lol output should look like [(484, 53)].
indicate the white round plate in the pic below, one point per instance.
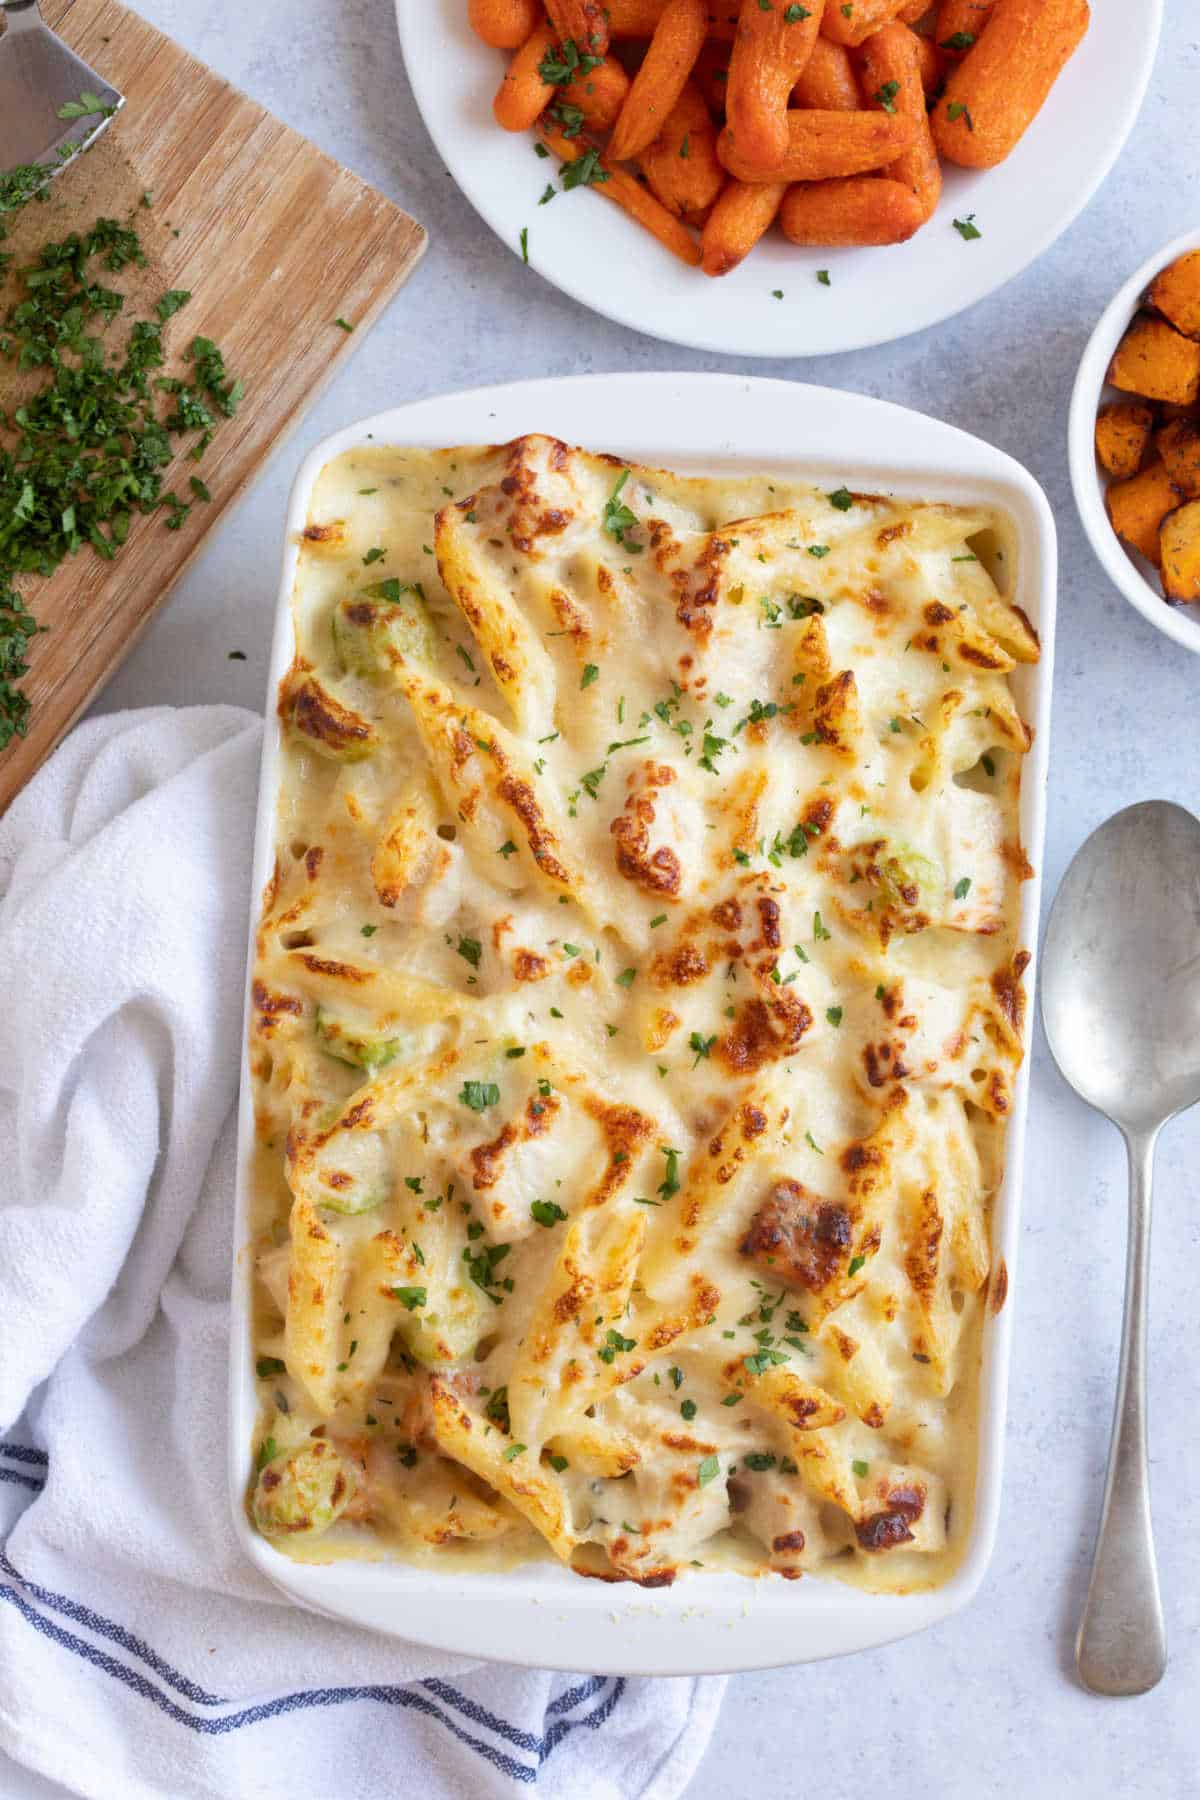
[(1137, 579), (592, 251)]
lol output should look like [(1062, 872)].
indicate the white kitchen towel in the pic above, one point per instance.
[(140, 1656)]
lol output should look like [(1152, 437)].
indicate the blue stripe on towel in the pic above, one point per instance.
[(24, 1453), (25, 1481), (411, 1697), (107, 1628)]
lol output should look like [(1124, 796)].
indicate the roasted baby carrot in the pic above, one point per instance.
[(741, 215), (853, 23), (960, 24), (637, 18), (999, 87), (677, 42), (624, 191), (890, 67), (505, 24), (933, 64), (583, 23), (827, 82), (860, 209), (681, 164), (599, 95), (823, 144), (711, 74), (772, 45), (524, 92)]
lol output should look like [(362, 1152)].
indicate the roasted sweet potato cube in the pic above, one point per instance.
[(1122, 433), (1176, 293), (1137, 508), (1178, 443), (1180, 540), (1156, 361)]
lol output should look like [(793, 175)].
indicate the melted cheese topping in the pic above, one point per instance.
[(637, 1005)]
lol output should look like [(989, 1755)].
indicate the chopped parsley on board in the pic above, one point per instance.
[(99, 421)]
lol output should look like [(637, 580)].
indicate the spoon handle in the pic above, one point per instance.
[(1122, 1643)]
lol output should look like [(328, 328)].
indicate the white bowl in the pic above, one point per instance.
[(539, 1614), (1137, 579)]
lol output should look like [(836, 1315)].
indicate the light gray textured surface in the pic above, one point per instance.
[(986, 1705)]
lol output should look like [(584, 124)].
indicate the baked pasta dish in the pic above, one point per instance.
[(636, 1011)]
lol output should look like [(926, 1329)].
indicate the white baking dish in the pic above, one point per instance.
[(540, 1614)]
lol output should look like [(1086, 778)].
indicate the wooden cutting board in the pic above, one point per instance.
[(275, 242)]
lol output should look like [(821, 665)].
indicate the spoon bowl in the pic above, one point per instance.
[(1121, 1010), (1121, 967)]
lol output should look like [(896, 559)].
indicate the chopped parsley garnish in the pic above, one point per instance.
[(507, 849), (819, 931), (343, 324), (792, 15), (856, 1263), (676, 1376), (860, 1468), (558, 1463), (818, 550), (565, 63), (886, 95), (414, 1182), (481, 1266), (707, 1471), (268, 1450), (956, 110), (713, 746), (618, 519), (962, 888), (524, 243), (614, 1345), (479, 1094), (759, 1461), (701, 1045), (626, 978), (470, 949), (407, 1455), (375, 554), (513, 1450), (842, 498), (958, 40), (687, 1409), (546, 1212), (548, 193), (659, 919), (590, 673), (989, 767), (967, 228), (823, 277), (777, 293), (834, 1014), (410, 1297), (812, 1143), (585, 171), (267, 1366), (670, 1183), (86, 449), (368, 930)]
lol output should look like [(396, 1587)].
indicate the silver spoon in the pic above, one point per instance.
[(1121, 1008)]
